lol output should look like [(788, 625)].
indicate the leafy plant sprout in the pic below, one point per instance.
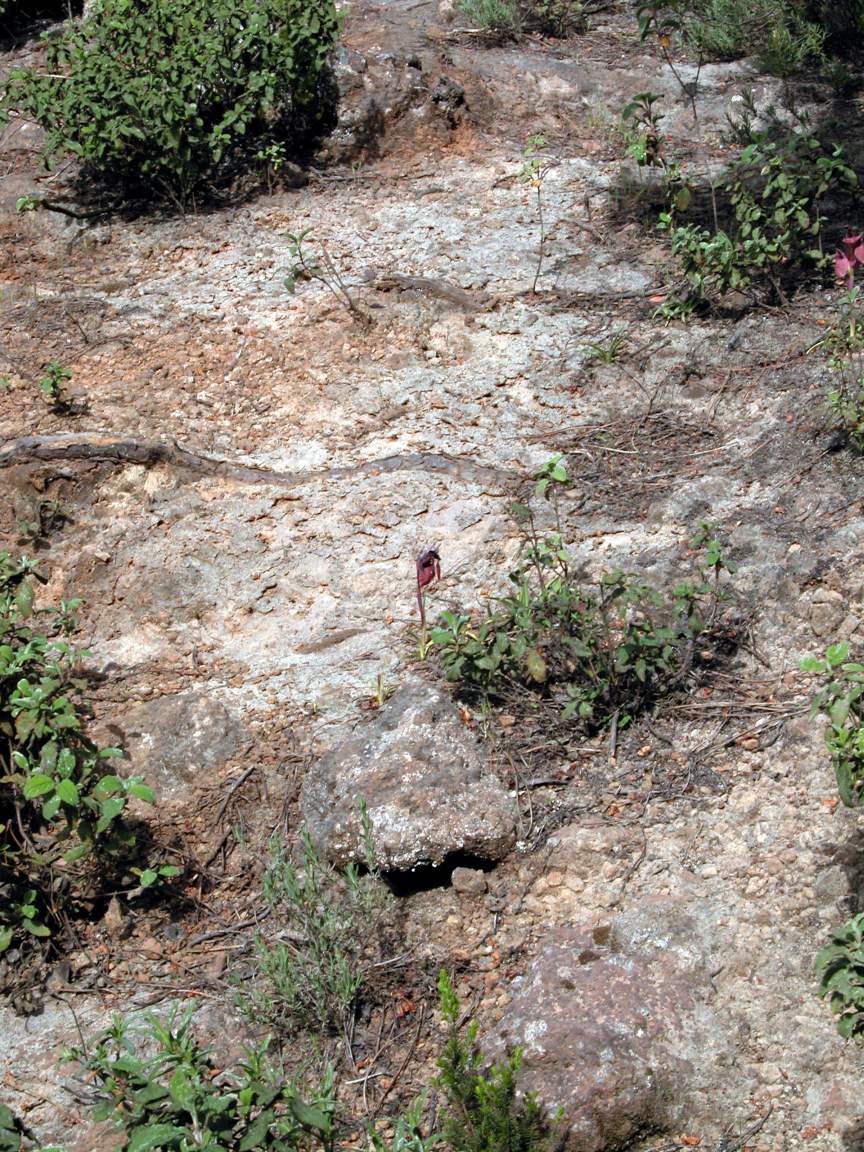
[(841, 700), (533, 172), (53, 385), (609, 353), (324, 270)]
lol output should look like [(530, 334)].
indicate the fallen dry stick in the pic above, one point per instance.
[(29, 449)]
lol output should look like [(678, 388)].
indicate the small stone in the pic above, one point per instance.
[(469, 881), (827, 611), (150, 947), (216, 966), (115, 920), (832, 884)]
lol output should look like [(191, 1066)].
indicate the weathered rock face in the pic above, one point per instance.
[(174, 740), (422, 777), (606, 1030)]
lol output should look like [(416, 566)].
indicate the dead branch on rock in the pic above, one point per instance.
[(461, 297), (86, 446)]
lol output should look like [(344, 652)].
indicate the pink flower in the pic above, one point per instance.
[(850, 258), (843, 268)]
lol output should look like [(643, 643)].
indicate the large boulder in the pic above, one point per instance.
[(617, 1033), (425, 784)]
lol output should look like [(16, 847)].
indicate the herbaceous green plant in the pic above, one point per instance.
[(53, 385), (840, 701), (840, 969), (497, 20), (641, 119), (165, 99), (776, 199), (532, 173), (844, 345), (174, 1097), (784, 35), (601, 653), (311, 970), (306, 266), (61, 804), (483, 1109)]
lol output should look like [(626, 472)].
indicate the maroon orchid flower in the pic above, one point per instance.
[(428, 571), (847, 259)]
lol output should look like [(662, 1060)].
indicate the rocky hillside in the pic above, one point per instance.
[(247, 476)]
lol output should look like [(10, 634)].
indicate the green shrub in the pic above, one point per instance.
[(166, 1092), (843, 20), (774, 31), (310, 973), (179, 1098), (483, 1112), (60, 804), (498, 20), (559, 18), (790, 46), (599, 653), (167, 99), (840, 969), (775, 198), (840, 699)]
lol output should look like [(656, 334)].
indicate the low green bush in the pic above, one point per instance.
[(176, 1097), (840, 970), (164, 1090), (843, 20), (781, 38), (785, 36), (483, 1109), (309, 972), (600, 653), (61, 804), (168, 99), (502, 20), (775, 198), (498, 20)]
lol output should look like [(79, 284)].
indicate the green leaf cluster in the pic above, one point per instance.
[(177, 1099), (166, 99), (60, 803), (840, 699), (775, 197), (840, 969)]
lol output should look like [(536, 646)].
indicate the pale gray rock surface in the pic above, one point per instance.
[(425, 784)]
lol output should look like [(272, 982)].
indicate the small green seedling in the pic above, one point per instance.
[(533, 172), (53, 385), (322, 269)]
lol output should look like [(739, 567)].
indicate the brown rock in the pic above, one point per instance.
[(425, 783), (469, 881), (610, 1031)]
